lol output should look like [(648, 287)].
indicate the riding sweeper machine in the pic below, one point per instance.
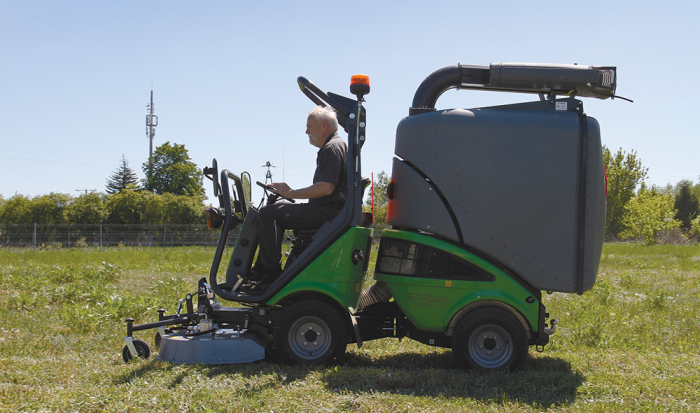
[(488, 208)]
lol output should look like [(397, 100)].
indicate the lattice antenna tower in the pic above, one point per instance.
[(151, 123)]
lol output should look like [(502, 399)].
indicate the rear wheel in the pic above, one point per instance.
[(310, 332), (489, 339)]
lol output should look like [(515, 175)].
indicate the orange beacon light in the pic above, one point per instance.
[(359, 85)]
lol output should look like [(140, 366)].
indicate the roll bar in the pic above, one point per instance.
[(342, 105), (550, 79), (230, 220)]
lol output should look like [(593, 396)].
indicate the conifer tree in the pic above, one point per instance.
[(122, 178)]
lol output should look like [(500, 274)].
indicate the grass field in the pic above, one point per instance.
[(630, 344)]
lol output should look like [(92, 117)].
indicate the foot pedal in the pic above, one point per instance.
[(238, 283)]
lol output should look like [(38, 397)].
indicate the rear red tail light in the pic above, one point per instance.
[(605, 172)]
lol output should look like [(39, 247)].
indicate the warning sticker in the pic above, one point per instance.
[(561, 106)]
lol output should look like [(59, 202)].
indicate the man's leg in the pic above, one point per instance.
[(270, 235), (274, 219)]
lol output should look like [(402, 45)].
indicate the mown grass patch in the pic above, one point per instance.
[(630, 344)]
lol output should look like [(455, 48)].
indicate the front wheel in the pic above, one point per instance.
[(489, 339), (142, 350), (310, 332)]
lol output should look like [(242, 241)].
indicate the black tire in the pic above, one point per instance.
[(310, 333), (142, 349), (489, 339), (157, 339)]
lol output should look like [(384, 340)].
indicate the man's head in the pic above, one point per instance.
[(320, 124)]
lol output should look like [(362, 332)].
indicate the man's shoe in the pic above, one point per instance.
[(259, 283), (258, 288), (256, 274)]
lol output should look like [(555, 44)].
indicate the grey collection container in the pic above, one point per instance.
[(521, 184)]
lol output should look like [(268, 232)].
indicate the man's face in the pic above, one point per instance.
[(317, 131)]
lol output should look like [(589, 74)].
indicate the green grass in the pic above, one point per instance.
[(630, 344)]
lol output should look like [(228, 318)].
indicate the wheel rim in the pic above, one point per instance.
[(490, 346), (140, 350), (309, 338)]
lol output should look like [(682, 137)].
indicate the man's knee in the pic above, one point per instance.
[(265, 212), (271, 212)]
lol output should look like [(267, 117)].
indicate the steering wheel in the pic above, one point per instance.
[(271, 189)]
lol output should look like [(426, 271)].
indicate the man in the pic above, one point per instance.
[(326, 195)]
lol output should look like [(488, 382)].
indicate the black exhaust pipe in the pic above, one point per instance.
[(538, 78), (442, 80)]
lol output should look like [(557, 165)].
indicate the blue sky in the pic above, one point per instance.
[(76, 76)]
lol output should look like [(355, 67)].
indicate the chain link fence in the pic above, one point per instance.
[(114, 235), (109, 235)]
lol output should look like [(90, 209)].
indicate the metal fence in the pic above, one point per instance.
[(109, 235), (113, 235)]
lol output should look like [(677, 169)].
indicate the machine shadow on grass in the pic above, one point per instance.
[(145, 368), (250, 371), (543, 380)]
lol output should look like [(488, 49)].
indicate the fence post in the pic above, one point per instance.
[(34, 238), (164, 239), (100, 237)]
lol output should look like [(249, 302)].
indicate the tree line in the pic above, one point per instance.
[(171, 193), (125, 207), (637, 211)]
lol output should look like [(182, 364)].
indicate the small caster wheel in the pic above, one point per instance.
[(141, 348), (157, 339)]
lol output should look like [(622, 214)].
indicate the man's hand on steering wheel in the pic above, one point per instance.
[(282, 189), (275, 190)]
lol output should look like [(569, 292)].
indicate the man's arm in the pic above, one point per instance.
[(317, 190)]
